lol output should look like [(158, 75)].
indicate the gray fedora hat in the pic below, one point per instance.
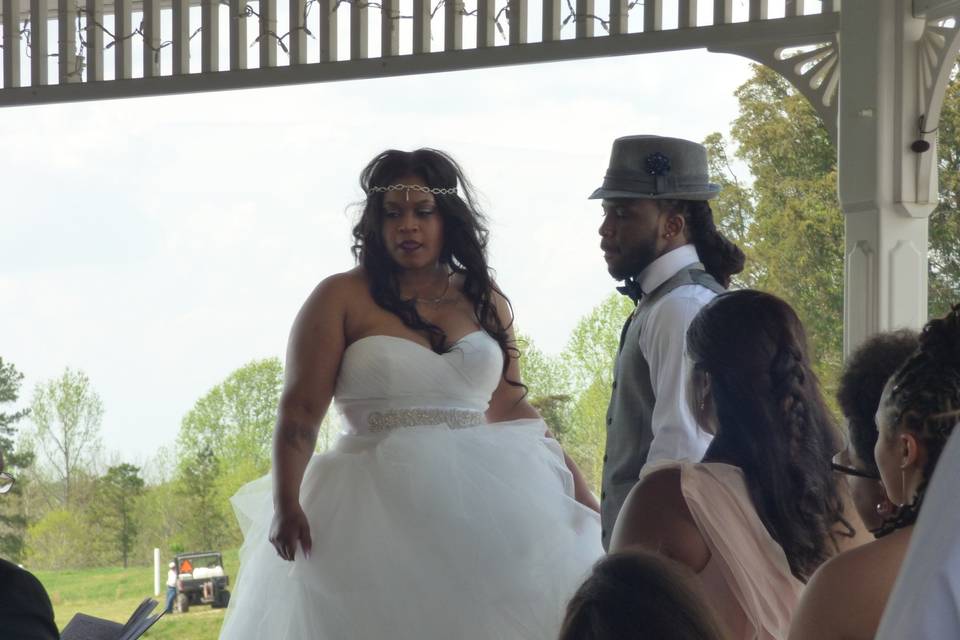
[(658, 168)]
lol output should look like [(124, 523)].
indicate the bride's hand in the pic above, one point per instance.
[(289, 527)]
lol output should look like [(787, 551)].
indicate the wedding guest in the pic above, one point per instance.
[(918, 410), (763, 509), (865, 373), (25, 609), (925, 603), (639, 596)]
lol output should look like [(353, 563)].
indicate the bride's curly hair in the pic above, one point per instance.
[(773, 422), (464, 251)]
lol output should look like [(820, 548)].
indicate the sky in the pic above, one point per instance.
[(158, 244)]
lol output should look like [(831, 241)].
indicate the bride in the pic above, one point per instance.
[(445, 511)]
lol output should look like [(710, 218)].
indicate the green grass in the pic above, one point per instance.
[(114, 592)]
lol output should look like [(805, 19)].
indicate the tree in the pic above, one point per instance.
[(590, 355), (114, 510), (60, 540), (548, 384), (224, 442), (789, 220), (66, 413), (13, 522), (944, 252), (205, 514)]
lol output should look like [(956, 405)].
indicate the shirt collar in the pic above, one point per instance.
[(667, 266)]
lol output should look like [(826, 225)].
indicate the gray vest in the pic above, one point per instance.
[(629, 433)]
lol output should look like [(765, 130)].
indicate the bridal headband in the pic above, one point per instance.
[(407, 188)]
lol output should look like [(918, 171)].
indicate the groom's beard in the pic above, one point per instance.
[(631, 261)]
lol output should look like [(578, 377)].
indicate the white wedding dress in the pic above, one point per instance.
[(427, 523)]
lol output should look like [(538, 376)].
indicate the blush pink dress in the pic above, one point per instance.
[(747, 581)]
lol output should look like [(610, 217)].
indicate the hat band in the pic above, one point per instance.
[(649, 184)]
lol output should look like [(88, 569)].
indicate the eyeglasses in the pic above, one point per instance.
[(6, 482), (840, 463)]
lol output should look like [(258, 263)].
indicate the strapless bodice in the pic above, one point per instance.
[(387, 382)]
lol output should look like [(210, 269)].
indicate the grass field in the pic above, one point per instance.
[(113, 593)]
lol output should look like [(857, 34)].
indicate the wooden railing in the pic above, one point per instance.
[(114, 48)]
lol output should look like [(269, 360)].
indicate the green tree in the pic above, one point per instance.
[(13, 522), (205, 509), (225, 441), (114, 510), (61, 540), (67, 413), (548, 385), (789, 220), (944, 252), (591, 353)]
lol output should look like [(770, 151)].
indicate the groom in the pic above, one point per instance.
[(658, 235)]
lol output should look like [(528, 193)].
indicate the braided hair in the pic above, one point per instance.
[(773, 422), (721, 258), (464, 244), (924, 399)]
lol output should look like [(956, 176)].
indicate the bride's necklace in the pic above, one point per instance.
[(439, 298)]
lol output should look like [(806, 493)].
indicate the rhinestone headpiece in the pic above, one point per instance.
[(437, 191)]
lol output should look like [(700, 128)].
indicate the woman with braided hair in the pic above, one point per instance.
[(763, 509), (918, 411)]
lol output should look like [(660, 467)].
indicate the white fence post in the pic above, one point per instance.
[(156, 571)]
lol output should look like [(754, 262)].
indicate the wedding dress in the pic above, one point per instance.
[(427, 523)]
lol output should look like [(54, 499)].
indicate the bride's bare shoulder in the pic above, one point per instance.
[(334, 295)]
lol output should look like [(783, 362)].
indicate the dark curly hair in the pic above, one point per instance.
[(864, 375), (924, 399), (721, 258), (464, 244), (773, 422), (638, 596)]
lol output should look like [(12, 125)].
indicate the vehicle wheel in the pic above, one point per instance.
[(222, 599), (182, 604)]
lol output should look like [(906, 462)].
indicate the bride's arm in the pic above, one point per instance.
[(509, 402), (314, 351)]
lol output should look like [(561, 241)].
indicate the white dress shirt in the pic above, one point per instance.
[(663, 344), (925, 602)]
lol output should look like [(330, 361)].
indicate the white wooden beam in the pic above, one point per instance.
[(210, 34), (11, 43), (328, 30), (122, 45), (181, 36), (390, 28), (238, 34), (151, 37), (39, 42), (359, 30), (94, 38)]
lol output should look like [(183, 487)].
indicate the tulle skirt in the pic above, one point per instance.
[(429, 533)]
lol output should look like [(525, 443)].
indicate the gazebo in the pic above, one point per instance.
[(875, 70)]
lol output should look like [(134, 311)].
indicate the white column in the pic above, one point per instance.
[(886, 218)]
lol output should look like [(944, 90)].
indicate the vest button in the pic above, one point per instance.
[(603, 495), (604, 457), (609, 421), (614, 384)]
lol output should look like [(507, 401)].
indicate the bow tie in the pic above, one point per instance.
[(632, 289)]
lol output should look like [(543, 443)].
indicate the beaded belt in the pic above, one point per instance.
[(454, 418)]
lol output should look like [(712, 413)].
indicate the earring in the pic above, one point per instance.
[(903, 487), (885, 509)]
